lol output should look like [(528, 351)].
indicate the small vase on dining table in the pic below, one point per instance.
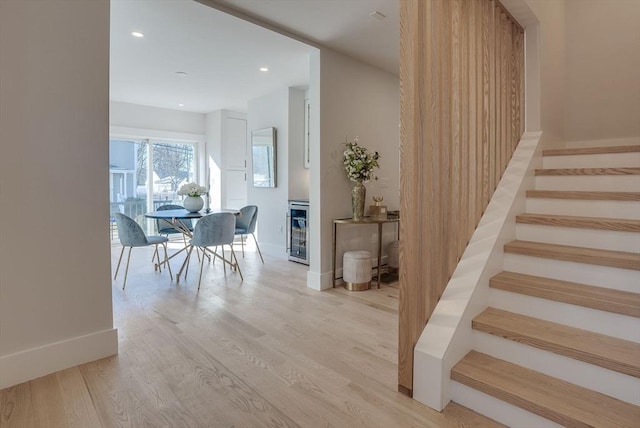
[(358, 194), (193, 204)]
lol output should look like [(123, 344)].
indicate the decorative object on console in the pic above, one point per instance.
[(378, 211), (358, 195), (358, 164), (193, 201)]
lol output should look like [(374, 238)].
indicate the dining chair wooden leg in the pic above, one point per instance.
[(201, 268), (119, 260), (126, 271), (242, 243), (258, 247), (166, 260)]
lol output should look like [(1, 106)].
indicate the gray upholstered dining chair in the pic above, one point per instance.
[(212, 231), (131, 235), (246, 224), (166, 228)]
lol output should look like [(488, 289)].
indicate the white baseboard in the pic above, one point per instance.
[(319, 281), (43, 360)]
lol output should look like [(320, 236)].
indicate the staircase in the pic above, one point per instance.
[(559, 344)]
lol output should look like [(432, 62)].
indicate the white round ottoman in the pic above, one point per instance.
[(356, 270)]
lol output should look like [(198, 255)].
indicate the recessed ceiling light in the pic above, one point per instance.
[(137, 34), (264, 69), (180, 105), (182, 73), (377, 15)]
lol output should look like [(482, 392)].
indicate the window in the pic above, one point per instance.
[(145, 174)]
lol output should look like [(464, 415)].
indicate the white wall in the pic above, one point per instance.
[(213, 132), (551, 37), (603, 69), (298, 175), (271, 110), (55, 286), (355, 99), (159, 119)]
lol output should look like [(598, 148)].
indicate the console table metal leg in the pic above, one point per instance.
[(335, 227), (379, 251)]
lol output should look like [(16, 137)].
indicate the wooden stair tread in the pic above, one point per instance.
[(594, 348), (589, 296), (592, 150), (600, 223), (584, 195), (551, 398), (588, 171), (595, 256)]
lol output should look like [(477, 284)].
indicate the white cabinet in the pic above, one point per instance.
[(234, 161), (235, 140)]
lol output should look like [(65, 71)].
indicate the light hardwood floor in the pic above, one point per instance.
[(261, 353)]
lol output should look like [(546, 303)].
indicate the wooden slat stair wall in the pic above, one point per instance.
[(462, 115)]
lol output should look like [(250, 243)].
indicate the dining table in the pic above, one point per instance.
[(175, 219)]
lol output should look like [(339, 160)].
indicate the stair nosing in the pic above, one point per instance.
[(584, 195), (593, 348), (578, 172), (544, 395), (597, 223), (596, 150), (594, 256), (588, 296)]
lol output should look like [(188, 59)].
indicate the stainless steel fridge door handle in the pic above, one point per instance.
[(288, 227)]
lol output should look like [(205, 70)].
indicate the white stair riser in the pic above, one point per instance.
[(605, 160), (614, 325), (607, 209), (496, 409), (600, 276), (595, 378), (594, 183), (590, 238)]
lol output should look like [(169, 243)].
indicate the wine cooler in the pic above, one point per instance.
[(297, 231)]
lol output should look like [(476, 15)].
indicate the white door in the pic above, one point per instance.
[(236, 189), (236, 143), (235, 163)]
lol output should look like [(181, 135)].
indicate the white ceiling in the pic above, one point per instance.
[(222, 54)]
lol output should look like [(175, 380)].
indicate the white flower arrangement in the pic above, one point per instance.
[(192, 189), (359, 162)]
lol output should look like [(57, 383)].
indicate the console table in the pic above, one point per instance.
[(367, 221)]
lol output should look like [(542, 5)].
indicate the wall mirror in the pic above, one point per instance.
[(263, 146)]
